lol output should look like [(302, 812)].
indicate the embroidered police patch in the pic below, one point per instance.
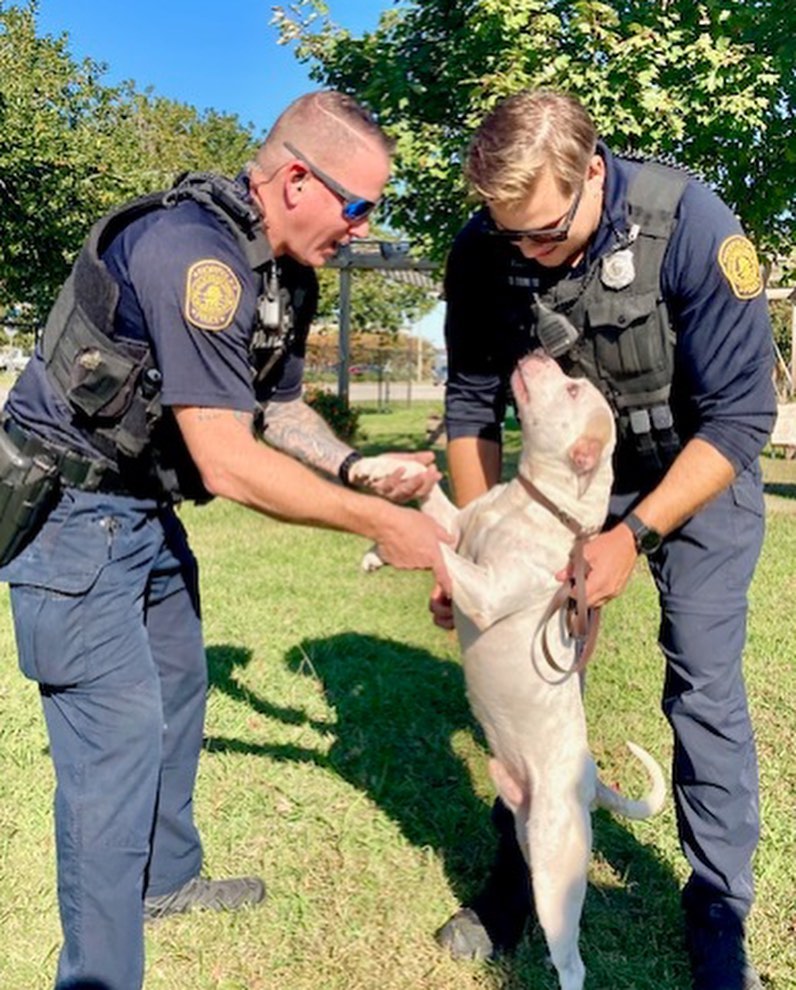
[(212, 294), (738, 261)]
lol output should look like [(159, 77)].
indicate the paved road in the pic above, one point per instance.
[(395, 392), (369, 392)]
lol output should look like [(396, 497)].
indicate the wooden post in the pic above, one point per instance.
[(344, 343), (793, 341)]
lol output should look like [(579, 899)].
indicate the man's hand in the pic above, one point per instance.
[(397, 476), (410, 541), (440, 605), (610, 559)]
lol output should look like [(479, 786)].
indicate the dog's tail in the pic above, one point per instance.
[(645, 807)]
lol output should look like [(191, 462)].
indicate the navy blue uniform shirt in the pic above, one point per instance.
[(722, 389), (186, 289)]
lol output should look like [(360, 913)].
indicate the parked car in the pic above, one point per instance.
[(13, 359)]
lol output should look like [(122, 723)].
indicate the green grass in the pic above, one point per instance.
[(343, 765)]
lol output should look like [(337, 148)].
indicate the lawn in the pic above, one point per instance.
[(341, 763)]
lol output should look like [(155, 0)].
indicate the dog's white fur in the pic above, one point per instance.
[(509, 549)]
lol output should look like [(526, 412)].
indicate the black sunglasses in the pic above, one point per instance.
[(538, 235), (355, 208)]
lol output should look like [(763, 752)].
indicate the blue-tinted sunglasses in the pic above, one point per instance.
[(355, 208)]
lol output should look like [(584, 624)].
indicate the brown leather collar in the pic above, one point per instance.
[(583, 622), (539, 496)]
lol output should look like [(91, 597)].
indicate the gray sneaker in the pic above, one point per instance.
[(208, 895)]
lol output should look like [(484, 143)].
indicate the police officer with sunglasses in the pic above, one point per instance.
[(638, 277), (174, 349)]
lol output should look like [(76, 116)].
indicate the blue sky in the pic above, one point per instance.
[(208, 54)]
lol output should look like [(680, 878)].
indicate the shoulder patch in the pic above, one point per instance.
[(212, 294), (738, 261)]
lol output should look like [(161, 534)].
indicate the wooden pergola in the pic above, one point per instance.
[(392, 258), (789, 293)]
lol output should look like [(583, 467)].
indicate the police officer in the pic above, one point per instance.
[(640, 278), (176, 343)]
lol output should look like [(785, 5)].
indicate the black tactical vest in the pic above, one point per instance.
[(624, 342), (113, 386)]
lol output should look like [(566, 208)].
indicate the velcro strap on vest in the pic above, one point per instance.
[(653, 197)]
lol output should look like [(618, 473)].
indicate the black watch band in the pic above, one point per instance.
[(647, 540), (345, 467)]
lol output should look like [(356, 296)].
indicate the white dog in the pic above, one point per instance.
[(511, 543)]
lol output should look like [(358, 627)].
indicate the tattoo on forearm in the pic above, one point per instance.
[(204, 415), (296, 429)]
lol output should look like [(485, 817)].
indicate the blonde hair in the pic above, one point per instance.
[(523, 135), (328, 126)]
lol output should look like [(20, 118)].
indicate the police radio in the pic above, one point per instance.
[(271, 306), (555, 332), (274, 324)]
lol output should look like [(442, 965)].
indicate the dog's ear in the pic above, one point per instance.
[(586, 453), (584, 456)]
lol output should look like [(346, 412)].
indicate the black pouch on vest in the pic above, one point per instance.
[(28, 488)]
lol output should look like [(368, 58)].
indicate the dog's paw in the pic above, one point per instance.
[(372, 469), (371, 561)]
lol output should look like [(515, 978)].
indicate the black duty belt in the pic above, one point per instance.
[(74, 470)]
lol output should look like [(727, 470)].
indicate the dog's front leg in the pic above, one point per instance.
[(437, 505), (486, 594)]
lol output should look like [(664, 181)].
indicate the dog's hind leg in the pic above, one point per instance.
[(559, 838), (515, 796)]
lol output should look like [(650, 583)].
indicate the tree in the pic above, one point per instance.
[(71, 147), (711, 83), (378, 303), (48, 106)]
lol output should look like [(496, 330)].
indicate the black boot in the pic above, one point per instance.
[(714, 938), (494, 921)]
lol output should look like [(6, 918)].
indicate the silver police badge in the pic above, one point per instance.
[(618, 269)]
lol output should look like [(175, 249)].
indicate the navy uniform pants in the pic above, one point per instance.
[(106, 615), (702, 573)]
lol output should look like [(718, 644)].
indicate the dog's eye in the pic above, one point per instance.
[(573, 388)]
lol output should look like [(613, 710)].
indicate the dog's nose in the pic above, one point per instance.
[(534, 357)]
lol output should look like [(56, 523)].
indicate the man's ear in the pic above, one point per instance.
[(294, 182), (596, 169)]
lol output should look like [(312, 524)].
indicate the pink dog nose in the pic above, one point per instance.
[(537, 357)]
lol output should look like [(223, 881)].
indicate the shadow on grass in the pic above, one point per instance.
[(782, 489), (398, 709)]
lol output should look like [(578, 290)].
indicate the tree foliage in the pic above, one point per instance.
[(71, 147), (377, 302), (712, 83)]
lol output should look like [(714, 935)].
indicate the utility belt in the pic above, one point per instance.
[(32, 473)]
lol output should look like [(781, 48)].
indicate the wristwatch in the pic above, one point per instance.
[(648, 540), (345, 467)]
